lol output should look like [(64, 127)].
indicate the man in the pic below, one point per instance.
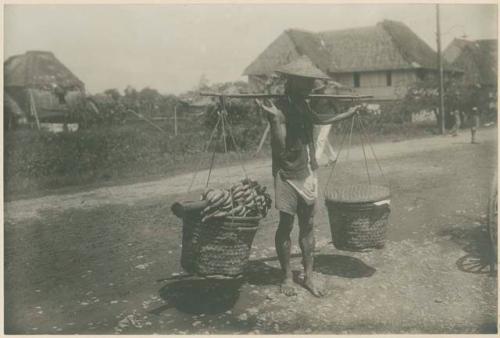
[(474, 124), (294, 167), (323, 132), (322, 142), (456, 126)]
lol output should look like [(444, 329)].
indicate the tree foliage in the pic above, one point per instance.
[(457, 95)]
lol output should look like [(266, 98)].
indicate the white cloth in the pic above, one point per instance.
[(323, 141), (307, 188)]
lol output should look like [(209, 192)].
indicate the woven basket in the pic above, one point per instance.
[(358, 216), (218, 246)]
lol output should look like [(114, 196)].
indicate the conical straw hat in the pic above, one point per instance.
[(302, 67)]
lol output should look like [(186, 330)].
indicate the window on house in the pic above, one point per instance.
[(357, 80), (388, 78)]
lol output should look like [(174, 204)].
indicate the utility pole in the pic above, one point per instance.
[(440, 65)]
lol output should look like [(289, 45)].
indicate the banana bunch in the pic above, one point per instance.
[(246, 198)]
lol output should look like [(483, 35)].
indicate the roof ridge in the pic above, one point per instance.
[(31, 67), (299, 49), (39, 52), (299, 30), (346, 29), (401, 50), (294, 42)]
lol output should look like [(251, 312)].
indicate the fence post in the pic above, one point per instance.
[(175, 120)]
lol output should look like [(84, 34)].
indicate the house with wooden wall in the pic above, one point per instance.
[(381, 60)]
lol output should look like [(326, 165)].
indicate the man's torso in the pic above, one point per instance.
[(293, 163)]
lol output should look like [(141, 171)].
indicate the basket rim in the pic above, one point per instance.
[(384, 194), (242, 218)]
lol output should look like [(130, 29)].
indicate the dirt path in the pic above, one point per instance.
[(103, 267), (130, 194)]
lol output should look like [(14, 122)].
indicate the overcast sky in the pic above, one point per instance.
[(168, 47)]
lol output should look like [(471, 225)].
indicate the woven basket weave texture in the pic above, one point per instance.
[(357, 221), (217, 247)]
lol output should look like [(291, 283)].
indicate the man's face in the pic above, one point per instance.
[(301, 85)]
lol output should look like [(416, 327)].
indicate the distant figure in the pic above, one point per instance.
[(458, 122), (474, 124), (323, 132), (323, 141)]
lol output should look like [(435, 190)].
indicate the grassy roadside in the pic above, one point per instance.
[(152, 166)]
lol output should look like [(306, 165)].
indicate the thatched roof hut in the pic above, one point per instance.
[(41, 85), (389, 45), (477, 58), (39, 69), (383, 60)]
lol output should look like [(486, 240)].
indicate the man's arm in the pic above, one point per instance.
[(316, 119), (276, 120)]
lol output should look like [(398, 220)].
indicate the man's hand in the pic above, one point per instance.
[(354, 110), (272, 110)]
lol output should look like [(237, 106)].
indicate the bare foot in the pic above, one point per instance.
[(287, 288), (309, 285)]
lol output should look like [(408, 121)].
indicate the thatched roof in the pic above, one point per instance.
[(477, 58), (389, 45), (302, 67), (413, 49), (311, 45), (38, 69), (454, 49), (289, 46)]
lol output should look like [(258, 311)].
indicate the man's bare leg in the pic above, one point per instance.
[(307, 244), (283, 247)]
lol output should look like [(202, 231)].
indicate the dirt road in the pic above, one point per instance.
[(130, 194), (97, 262)]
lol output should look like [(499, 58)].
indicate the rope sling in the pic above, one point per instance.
[(358, 213), (347, 132), (233, 235), (223, 129), (220, 126)]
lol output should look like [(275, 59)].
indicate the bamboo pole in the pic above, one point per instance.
[(440, 65), (145, 119), (263, 138), (33, 109)]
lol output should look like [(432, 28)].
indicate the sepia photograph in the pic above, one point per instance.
[(250, 168)]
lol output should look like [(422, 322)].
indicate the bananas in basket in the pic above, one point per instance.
[(246, 198)]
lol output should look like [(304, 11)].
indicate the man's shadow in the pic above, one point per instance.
[(342, 266), (260, 273)]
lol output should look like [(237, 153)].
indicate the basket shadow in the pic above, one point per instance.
[(258, 272), (342, 266), (207, 296)]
